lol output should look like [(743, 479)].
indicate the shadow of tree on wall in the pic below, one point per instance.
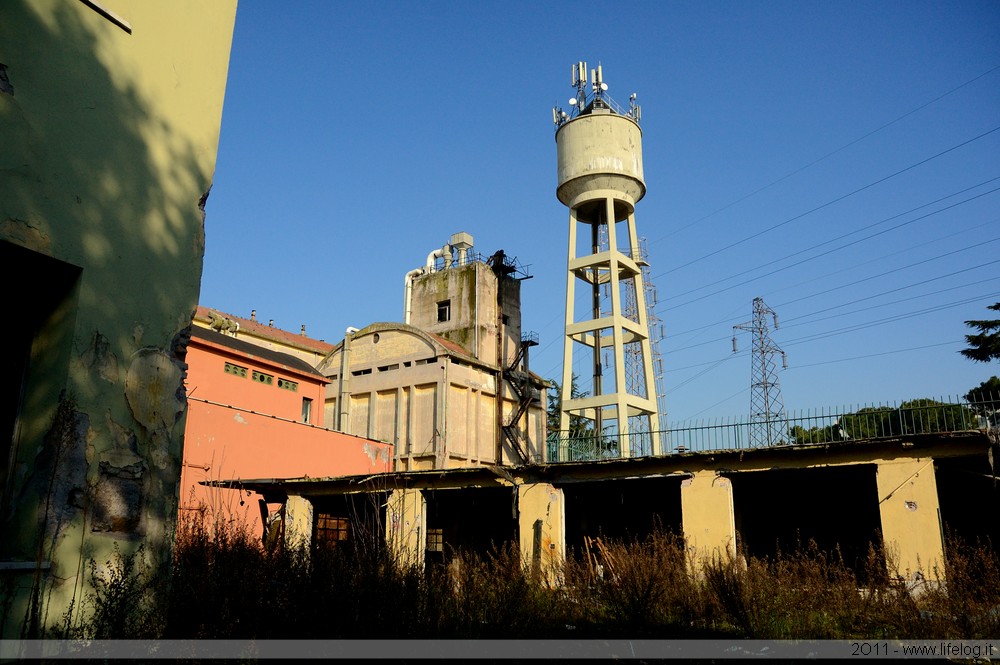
[(99, 169)]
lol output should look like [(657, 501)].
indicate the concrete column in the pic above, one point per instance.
[(708, 517), (406, 532), (298, 523), (542, 529), (911, 518)]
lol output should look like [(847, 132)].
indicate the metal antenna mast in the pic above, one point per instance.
[(768, 421)]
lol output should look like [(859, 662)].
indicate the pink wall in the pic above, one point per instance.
[(207, 380), (238, 429)]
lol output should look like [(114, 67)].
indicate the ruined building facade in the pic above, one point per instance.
[(450, 386), (110, 131)]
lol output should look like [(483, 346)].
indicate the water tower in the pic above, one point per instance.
[(599, 148)]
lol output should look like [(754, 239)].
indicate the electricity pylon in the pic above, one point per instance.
[(768, 421)]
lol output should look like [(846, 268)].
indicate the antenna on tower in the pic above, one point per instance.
[(591, 87), (768, 421)]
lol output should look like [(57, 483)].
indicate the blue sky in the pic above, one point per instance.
[(839, 160)]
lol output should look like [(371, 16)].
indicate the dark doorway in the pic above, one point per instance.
[(783, 510), (353, 520), (476, 520), (969, 497), (36, 289), (621, 510)]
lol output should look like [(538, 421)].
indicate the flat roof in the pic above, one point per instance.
[(677, 465)]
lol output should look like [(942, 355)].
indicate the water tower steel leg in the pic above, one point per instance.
[(567, 375)]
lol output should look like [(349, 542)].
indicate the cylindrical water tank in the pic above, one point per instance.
[(599, 150)]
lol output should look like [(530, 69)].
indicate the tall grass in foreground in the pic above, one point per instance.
[(225, 585)]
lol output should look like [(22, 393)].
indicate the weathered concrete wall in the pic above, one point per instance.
[(542, 529), (911, 520), (472, 292), (298, 523), (110, 138), (438, 408), (708, 516), (406, 522), (226, 443)]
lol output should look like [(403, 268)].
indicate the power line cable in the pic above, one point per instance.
[(828, 203), (845, 330), (712, 406), (830, 251), (891, 319), (889, 272), (827, 155), (785, 325), (881, 258), (841, 237), (884, 304), (705, 371), (875, 355), (907, 286)]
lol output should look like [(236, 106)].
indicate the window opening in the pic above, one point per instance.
[(435, 540), (331, 530), (444, 311), (235, 370)]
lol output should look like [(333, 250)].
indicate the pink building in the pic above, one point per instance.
[(255, 412)]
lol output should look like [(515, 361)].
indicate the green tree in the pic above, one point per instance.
[(915, 416), (984, 400), (578, 425), (581, 438), (984, 346)]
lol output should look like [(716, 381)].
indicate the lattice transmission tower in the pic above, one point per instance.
[(768, 420)]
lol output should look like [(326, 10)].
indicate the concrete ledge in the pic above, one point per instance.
[(23, 566)]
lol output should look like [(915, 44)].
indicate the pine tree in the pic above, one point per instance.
[(985, 345)]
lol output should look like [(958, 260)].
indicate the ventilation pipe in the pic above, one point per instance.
[(461, 243), (408, 291), (443, 253), (344, 399)]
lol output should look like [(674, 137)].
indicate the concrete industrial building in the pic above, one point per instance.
[(450, 387), (447, 389), (254, 411), (110, 132), (895, 492)]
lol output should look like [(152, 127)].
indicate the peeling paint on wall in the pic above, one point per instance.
[(61, 468), (5, 84), (118, 498), (154, 389), (99, 357), (28, 235), (376, 454)]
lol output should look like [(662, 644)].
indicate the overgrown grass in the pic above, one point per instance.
[(225, 585)]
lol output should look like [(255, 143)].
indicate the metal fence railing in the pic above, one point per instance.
[(879, 421)]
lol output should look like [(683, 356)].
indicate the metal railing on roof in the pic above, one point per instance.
[(826, 425), (517, 268)]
